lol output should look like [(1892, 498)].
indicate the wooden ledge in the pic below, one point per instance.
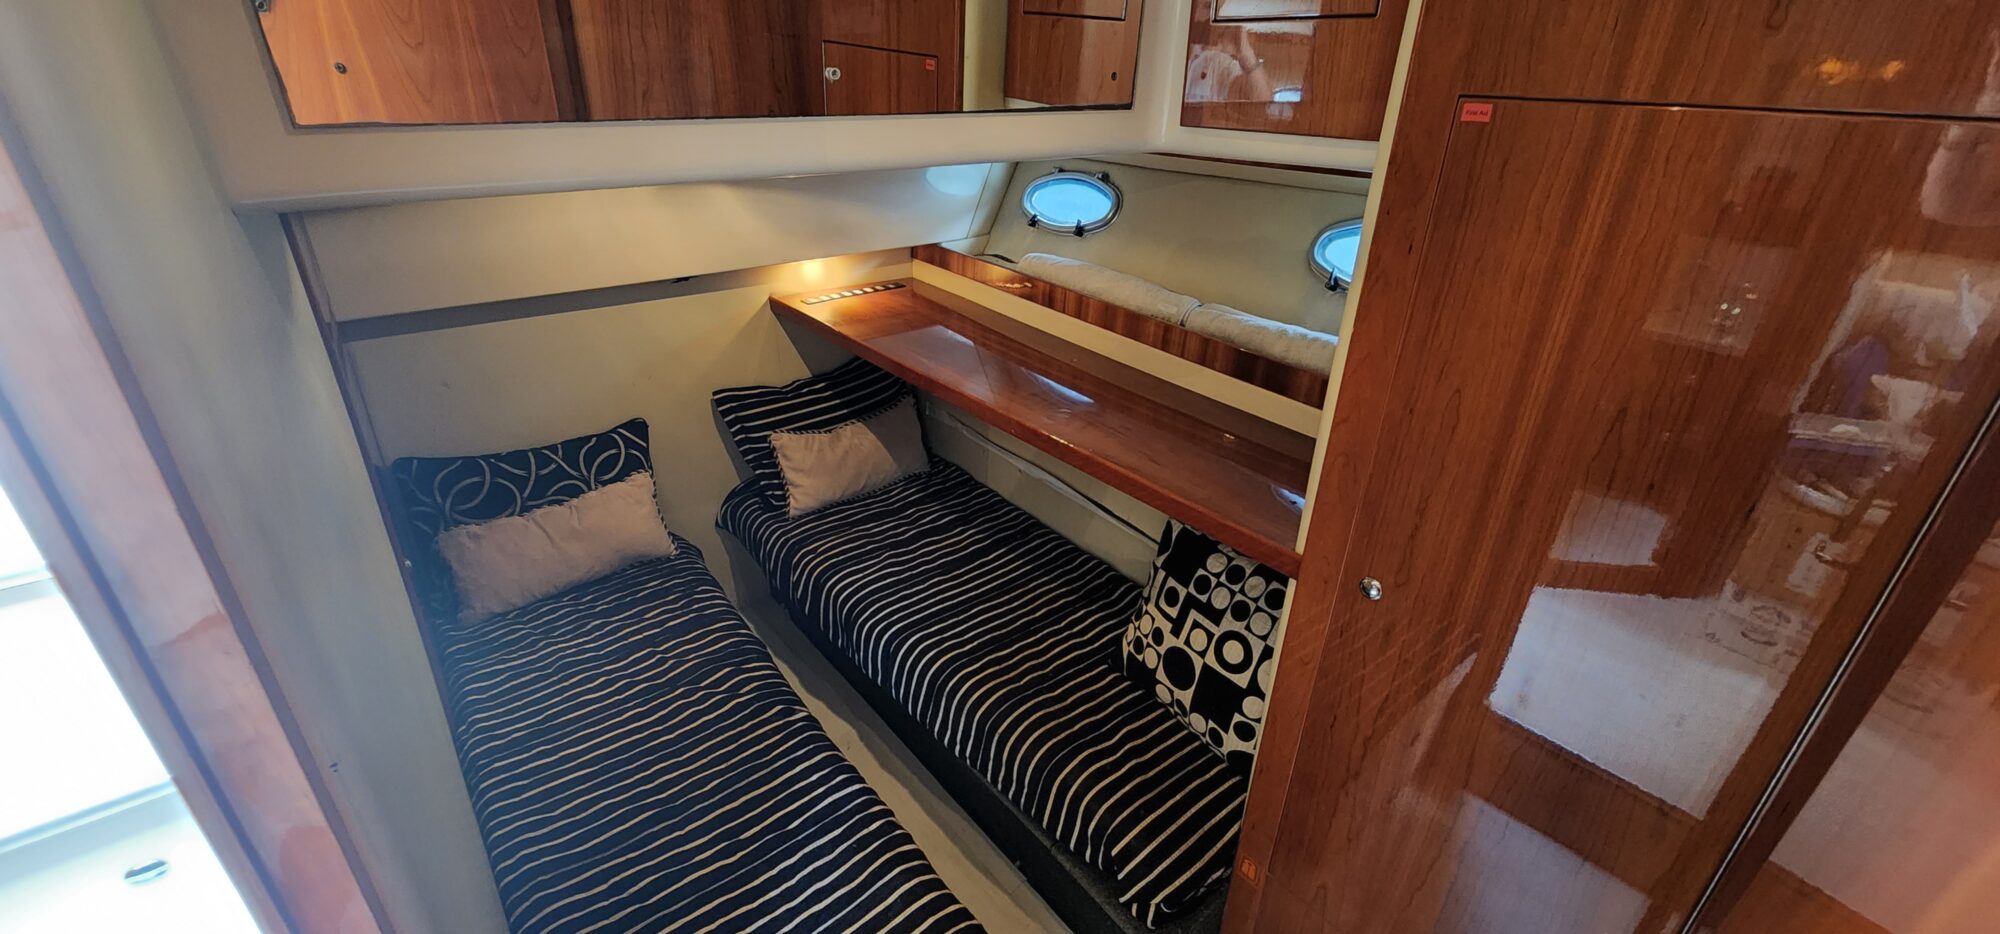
[(1228, 359), (1234, 476)]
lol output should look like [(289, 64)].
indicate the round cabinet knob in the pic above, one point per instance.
[(832, 74), (1371, 588)]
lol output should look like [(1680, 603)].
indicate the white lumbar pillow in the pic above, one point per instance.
[(516, 560), (826, 467)]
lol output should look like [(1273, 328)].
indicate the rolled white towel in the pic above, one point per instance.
[(1110, 285), (1289, 344)]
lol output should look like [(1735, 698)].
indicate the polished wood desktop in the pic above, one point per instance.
[(1225, 472)]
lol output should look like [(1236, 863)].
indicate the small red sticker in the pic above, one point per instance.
[(1475, 112), (930, 64)]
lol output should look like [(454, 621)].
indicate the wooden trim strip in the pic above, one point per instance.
[(1229, 360)]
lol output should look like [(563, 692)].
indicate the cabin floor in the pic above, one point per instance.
[(976, 871)]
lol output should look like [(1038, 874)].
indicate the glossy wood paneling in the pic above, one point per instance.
[(1236, 477), (133, 558), (412, 61), (1072, 60), (1692, 336), (644, 60), (1889, 819), (873, 81), (1856, 55), (1289, 381), (1306, 75), (927, 28)]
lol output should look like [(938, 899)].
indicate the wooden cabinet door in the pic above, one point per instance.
[(412, 61), (1776, 330), (876, 81)]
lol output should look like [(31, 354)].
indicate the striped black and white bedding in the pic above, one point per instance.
[(1002, 637), (637, 762)]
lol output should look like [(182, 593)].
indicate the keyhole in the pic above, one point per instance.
[(340, 67)]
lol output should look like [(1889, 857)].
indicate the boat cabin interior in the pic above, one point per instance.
[(1015, 465)]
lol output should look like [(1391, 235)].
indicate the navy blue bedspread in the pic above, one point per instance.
[(638, 763), (1003, 638)]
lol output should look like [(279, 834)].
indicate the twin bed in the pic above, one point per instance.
[(996, 640), (636, 761)]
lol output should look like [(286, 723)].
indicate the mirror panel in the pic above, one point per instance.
[(438, 62)]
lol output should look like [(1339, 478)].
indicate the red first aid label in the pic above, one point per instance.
[(1475, 112)]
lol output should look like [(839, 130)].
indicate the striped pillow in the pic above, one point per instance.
[(850, 392)]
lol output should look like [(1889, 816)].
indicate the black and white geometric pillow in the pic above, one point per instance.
[(1206, 639), (440, 493), (849, 392)]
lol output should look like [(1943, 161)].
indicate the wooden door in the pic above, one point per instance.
[(412, 61), (876, 81), (1776, 329)]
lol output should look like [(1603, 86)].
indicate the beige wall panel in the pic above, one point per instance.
[(1227, 240), (529, 381), (424, 255)]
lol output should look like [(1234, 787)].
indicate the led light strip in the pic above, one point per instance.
[(850, 293)]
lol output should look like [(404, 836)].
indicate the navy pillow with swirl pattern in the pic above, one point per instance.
[(439, 493)]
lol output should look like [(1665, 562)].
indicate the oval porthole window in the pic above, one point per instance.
[(1334, 253), (1075, 203)]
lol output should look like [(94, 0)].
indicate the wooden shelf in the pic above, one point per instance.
[(1234, 476)]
